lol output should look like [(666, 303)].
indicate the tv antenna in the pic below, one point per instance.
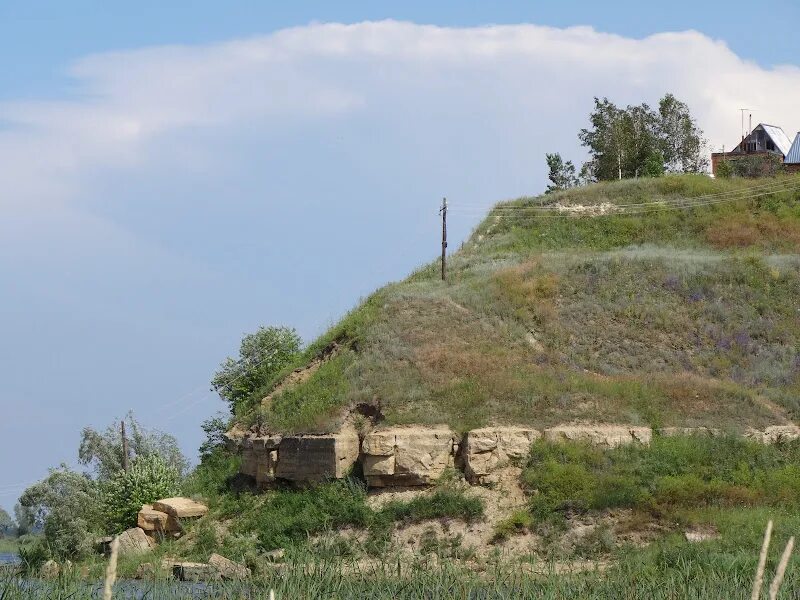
[(742, 110)]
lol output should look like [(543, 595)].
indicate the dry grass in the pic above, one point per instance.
[(747, 230)]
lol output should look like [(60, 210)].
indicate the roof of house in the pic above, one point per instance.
[(793, 156), (778, 137)]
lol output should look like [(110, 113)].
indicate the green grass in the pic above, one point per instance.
[(669, 569), (671, 473), (291, 518), (9, 545)]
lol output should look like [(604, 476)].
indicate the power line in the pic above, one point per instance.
[(742, 193), (594, 210)]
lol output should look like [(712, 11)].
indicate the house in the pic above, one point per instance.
[(792, 160), (763, 140)]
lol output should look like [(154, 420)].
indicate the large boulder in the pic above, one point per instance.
[(402, 456), (181, 508), (152, 520), (227, 569), (192, 571), (314, 458), (609, 436), (134, 541), (488, 449)]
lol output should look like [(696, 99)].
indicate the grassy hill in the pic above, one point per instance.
[(668, 302)]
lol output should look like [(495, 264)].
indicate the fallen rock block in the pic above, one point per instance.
[(181, 508), (403, 456), (152, 520), (193, 571), (609, 436), (488, 449), (315, 458), (227, 569), (134, 541)]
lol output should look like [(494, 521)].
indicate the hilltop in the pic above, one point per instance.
[(662, 302)]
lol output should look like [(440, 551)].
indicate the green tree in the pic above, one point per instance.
[(561, 174), (654, 165), (24, 519), (149, 479), (681, 140), (102, 450), (262, 355), (605, 141), (631, 142), (725, 169), (64, 506), (6, 523)]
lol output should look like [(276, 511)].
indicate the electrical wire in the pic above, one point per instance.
[(564, 210), (641, 208)]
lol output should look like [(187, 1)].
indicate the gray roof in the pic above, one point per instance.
[(793, 156), (779, 138)]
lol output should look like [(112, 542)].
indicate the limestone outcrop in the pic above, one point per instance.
[(314, 458), (775, 434), (417, 456), (491, 448), (260, 457), (403, 456), (609, 436)]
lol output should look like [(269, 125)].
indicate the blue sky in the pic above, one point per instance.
[(174, 175)]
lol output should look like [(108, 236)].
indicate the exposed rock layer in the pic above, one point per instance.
[(417, 456)]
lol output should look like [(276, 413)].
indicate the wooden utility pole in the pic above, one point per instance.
[(443, 212), (124, 448)]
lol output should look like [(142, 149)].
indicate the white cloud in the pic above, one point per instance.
[(534, 82)]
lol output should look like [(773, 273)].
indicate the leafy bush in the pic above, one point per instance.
[(290, 516), (451, 503), (149, 479), (519, 521), (64, 506)]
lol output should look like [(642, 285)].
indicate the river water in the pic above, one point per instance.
[(7, 558)]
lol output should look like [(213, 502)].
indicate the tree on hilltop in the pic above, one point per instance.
[(638, 141), (561, 174)]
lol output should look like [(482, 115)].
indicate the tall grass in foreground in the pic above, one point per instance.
[(692, 574)]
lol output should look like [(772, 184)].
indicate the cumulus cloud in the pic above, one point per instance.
[(532, 83)]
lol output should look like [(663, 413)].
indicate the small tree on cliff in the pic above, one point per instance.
[(262, 355)]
